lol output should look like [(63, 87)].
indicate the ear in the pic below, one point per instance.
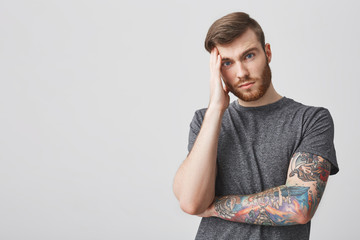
[(268, 52)]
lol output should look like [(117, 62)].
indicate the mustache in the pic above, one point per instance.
[(247, 79)]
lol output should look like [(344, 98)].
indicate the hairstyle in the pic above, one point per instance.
[(228, 28)]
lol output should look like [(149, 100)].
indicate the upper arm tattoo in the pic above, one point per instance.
[(313, 169), (310, 168)]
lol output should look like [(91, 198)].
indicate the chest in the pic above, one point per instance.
[(254, 153)]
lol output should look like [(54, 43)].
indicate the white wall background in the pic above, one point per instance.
[(96, 98)]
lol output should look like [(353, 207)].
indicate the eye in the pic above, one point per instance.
[(249, 56), (226, 64)]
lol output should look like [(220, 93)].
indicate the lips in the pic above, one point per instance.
[(246, 85)]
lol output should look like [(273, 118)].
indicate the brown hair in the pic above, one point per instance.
[(228, 28)]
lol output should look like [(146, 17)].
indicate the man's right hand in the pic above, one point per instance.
[(219, 94)]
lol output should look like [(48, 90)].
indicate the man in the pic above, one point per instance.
[(256, 168)]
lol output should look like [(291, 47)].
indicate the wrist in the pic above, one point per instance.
[(213, 109)]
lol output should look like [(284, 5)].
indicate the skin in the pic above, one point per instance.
[(289, 204), (241, 61), (244, 60)]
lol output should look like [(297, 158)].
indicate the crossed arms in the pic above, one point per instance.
[(295, 202), (289, 204)]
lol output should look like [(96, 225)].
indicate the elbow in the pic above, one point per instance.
[(190, 208), (191, 205), (303, 218), (187, 205)]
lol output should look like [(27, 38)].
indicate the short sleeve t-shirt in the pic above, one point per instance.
[(254, 150)]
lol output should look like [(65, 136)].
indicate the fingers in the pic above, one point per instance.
[(212, 59), (215, 62), (218, 62), (219, 97)]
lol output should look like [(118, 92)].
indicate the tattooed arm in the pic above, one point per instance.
[(289, 204)]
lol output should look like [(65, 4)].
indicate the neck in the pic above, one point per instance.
[(269, 97)]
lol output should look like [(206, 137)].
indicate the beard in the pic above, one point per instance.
[(250, 94)]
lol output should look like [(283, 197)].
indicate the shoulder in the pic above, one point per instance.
[(199, 114), (317, 131), (310, 112), (198, 118)]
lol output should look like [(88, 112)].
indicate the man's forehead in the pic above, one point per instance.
[(240, 45), (236, 51)]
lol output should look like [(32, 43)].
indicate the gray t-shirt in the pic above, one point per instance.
[(254, 150)]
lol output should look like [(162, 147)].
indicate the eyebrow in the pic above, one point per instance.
[(243, 54)]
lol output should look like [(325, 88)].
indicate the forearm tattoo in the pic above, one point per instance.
[(283, 205), (225, 206)]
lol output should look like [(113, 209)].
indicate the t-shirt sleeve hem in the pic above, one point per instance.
[(334, 167)]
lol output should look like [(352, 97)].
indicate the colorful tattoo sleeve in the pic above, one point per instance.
[(292, 203)]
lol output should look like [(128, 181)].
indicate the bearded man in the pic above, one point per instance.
[(257, 167)]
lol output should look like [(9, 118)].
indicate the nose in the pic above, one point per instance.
[(241, 70)]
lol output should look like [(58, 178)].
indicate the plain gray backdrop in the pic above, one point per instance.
[(96, 98)]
